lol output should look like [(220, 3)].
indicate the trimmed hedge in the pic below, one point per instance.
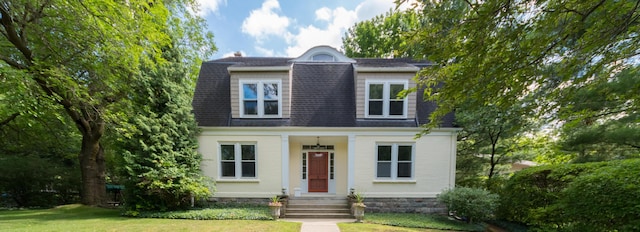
[(607, 199), (470, 203), (576, 197)]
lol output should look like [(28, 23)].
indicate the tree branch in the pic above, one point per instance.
[(9, 119), (12, 34)]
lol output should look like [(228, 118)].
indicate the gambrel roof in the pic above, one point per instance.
[(323, 94)]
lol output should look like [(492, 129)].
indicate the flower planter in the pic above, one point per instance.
[(275, 210), (358, 211)]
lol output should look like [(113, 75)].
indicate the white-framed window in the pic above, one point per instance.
[(238, 160), (395, 160), (261, 98), (381, 99)]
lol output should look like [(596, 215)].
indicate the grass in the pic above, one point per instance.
[(422, 221), (83, 218)]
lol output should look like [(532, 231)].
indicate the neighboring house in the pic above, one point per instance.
[(320, 124)]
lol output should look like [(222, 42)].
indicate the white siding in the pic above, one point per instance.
[(269, 166)]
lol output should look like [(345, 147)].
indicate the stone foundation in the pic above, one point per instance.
[(405, 205)]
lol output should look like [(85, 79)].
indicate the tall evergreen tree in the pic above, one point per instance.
[(161, 164)]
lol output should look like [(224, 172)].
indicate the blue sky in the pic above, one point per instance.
[(283, 28)]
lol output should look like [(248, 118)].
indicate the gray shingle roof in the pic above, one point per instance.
[(322, 94)]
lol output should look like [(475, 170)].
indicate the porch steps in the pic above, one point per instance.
[(318, 207)]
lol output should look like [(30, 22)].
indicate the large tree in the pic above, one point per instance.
[(81, 56), (499, 52), (382, 36)]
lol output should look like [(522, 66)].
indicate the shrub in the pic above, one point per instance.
[(32, 181), (605, 200), (471, 203), (575, 197), (528, 195)]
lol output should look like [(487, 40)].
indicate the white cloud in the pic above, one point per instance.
[(340, 19), (370, 8), (268, 22), (209, 6), (264, 22), (323, 14)]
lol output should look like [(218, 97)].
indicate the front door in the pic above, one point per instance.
[(318, 172)]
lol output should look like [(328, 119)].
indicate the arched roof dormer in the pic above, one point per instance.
[(323, 53)]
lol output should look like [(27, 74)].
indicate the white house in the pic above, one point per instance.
[(320, 124)]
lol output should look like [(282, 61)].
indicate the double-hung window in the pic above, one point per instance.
[(237, 160), (382, 99), (261, 98), (395, 160)]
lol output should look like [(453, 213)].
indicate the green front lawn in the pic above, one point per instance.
[(83, 218), (404, 222)]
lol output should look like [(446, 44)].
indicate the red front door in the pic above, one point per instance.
[(318, 171)]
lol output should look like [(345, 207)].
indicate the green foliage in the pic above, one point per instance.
[(82, 55), (32, 181), (535, 189), (161, 164), (248, 213), (430, 221), (607, 199), (471, 203), (578, 197), (499, 52), (381, 36)]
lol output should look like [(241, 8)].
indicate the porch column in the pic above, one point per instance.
[(351, 158), (285, 162)]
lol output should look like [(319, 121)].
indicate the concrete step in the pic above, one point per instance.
[(318, 210), (311, 206), (319, 215), (318, 207)]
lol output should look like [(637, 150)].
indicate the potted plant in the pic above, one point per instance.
[(358, 206), (274, 206)]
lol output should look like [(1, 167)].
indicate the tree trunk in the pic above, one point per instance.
[(92, 167), (92, 162)]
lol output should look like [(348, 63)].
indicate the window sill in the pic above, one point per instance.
[(394, 181), (238, 181)]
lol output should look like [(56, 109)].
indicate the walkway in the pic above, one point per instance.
[(318, 225)]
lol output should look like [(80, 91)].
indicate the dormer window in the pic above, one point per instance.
[(382, 99), (323, 57), (261, 98)]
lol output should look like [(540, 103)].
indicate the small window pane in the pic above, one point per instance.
[(375, 91), (396, 108), (228, 169), (404, 169), (394, 90), (271, 107), (384, 169), (375, 107), (227, 152), (404, 153), (248, 152), (384, 153), (322, 57), (248, 169), (250, 91), (270, 91), (251, 107)]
